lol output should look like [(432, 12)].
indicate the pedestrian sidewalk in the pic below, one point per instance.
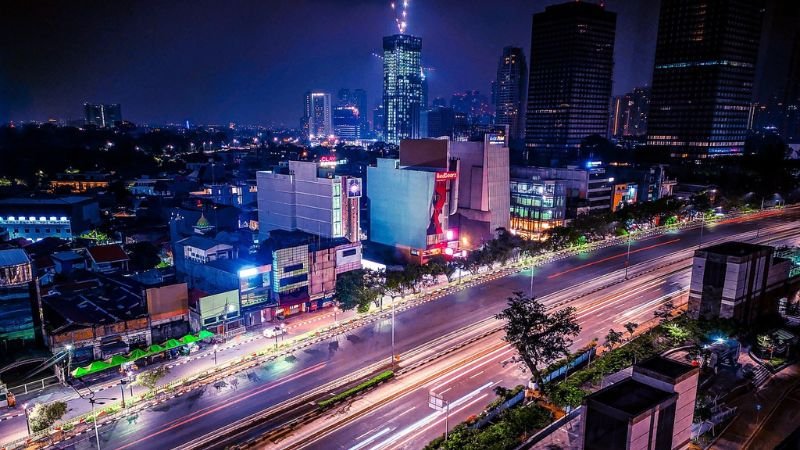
[(760, 413)]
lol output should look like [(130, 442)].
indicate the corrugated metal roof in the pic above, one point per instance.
[(13, 257)]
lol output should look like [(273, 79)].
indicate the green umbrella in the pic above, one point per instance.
[(189, 338), (205, 334), (155, 348), (136, 354), (172, 343)]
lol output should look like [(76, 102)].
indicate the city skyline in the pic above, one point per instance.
[(251, 73)]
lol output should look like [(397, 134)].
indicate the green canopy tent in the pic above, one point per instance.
[(94, 367), (189, 338), (155, 349), (117, 360), (136, 354), (205, 334), (172, 343), (80, 372)]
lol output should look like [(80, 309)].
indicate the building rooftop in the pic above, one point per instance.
[(107, 253), (667, 367), (630, 397), (13, 257), (68, 255), (69, 200), (95, 301), (734, 248), (199, 242), (232, 265)]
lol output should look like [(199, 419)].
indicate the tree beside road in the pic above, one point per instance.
[(540, 337)]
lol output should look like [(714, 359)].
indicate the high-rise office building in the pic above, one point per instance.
[(103, 116), (347, 123), (438, 122), (569, 87), (318, 116), (402, 87), (629, 113), (509, 90), (474, 105), (703, 77), (355, 98)]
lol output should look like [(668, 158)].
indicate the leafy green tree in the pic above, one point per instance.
[(151, 378), (631, 327), (356, 290), (613, 338), (540, 337), (44, 415)]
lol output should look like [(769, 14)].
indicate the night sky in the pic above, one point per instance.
[(250, 61)]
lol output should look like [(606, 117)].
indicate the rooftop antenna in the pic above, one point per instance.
[(401, 14)]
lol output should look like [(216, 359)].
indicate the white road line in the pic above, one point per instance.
[(372, 439)]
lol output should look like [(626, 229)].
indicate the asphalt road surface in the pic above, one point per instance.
[(189, 416)]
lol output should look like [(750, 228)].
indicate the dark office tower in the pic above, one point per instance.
[(508, 91), (103, 116), (629, 113), (569, 88), (356, 98), (378, 122), (703, 77), (402, 86)]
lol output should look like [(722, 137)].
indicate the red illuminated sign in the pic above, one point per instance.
[(444, 176)]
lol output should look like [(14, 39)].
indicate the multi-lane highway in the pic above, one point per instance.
[(406, 421), (187, 417)]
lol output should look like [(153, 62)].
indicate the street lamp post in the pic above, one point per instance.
[(275, 332), (92, 401), (122, 391), (532, 278), (393, 357), (628, 257), (702, 225), (27, 420), (69, 358), (215, 353)]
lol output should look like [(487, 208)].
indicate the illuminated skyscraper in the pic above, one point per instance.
[(318, 116), (703, 77), (629, 113), (509, 90), (569, 88), (402, 86)]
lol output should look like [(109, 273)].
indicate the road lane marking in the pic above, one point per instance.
[(492, 355), (430, 418), (372, 439), (609, 258), (180, 422), (477, 374)]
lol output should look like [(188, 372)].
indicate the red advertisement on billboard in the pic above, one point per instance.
[(439, 197), (445, 176)]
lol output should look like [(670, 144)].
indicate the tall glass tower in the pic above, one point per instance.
[(402, 86), (509, 90), (703, 77), (569, 88)]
